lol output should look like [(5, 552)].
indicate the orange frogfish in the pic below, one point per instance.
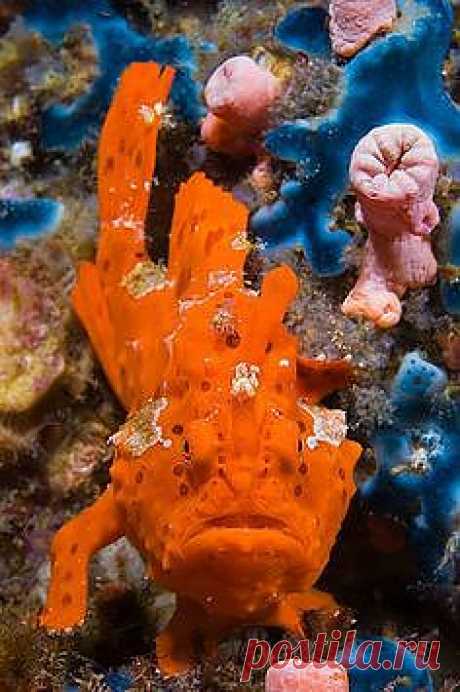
[(229, 477)]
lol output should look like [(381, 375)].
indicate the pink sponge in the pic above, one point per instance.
[(239, 95), (393, 171), (355, 22)]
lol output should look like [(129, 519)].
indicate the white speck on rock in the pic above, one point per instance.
[(418, 463), (20, 152)]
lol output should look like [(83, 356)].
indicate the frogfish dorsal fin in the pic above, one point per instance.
[(126, 302), (127, 156), (113, 315)]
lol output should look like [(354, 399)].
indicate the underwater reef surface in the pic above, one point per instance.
[(118, 44), (395, 567), (398, 78)]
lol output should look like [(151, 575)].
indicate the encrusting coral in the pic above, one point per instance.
[(393, 171), (355, 22), (46, 364), (31, 355), (229, 477), (66, 125)]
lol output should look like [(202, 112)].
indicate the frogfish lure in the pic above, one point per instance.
[(228, 476)]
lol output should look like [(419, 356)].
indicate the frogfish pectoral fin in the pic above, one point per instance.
[(72, 548)]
